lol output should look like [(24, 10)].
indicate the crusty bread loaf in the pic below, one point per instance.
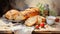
[(31, 21), (30, 12), (11, 13), (14, 15)]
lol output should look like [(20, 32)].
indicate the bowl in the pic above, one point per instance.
[(50, 20)]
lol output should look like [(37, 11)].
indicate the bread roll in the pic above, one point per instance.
[(11, 13), (14, 15), (31, 21)]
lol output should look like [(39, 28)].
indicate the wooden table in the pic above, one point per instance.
[(6, 32), (46, 32)]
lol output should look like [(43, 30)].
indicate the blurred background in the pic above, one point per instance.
[(6, 5)]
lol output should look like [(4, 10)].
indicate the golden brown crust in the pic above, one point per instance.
[(11, 13), (30, 12)]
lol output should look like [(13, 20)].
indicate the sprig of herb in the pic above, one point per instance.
[(41, 7)]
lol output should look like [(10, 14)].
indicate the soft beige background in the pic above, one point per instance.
[(53, 4)]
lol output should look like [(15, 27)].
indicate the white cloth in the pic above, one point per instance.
[(18, 29), (22, 29)]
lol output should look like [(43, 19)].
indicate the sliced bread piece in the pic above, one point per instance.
[(31, 21), (41, 19)]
